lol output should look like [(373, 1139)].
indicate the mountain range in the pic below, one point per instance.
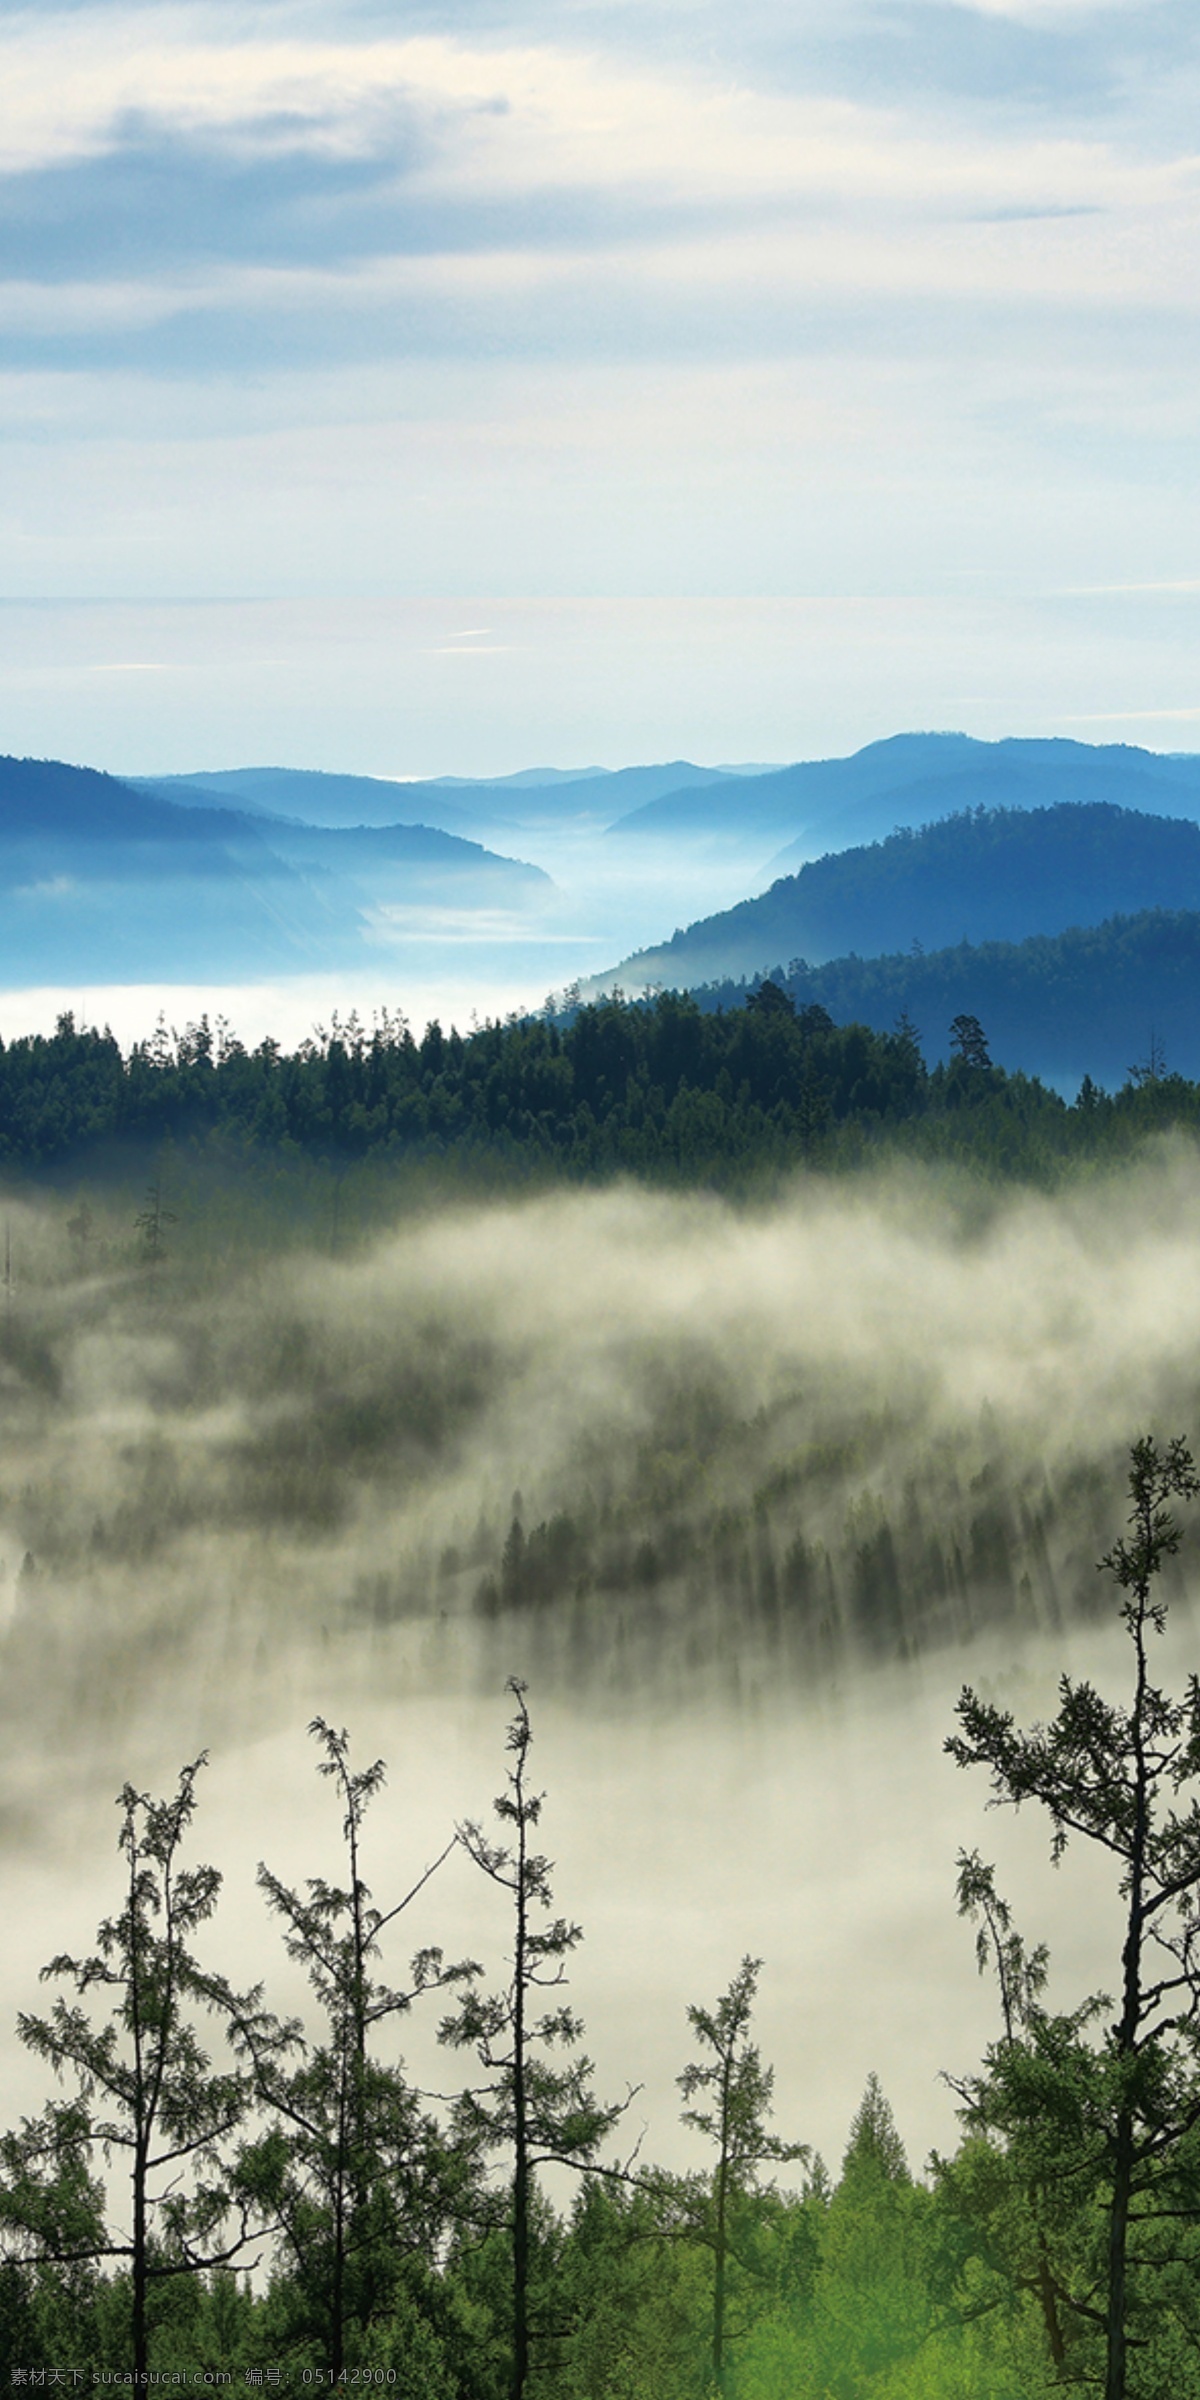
[(767, 813), (804, 810), (102, 880), (458, 804), (924, 867)]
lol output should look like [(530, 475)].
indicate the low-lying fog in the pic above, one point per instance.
[(745, 1496), (608, 899)]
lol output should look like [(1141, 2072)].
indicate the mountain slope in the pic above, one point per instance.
[(996, 874), (313, 798), (99, 881)]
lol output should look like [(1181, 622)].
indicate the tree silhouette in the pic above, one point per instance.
[(360, 2177), (969, 1041), (151, 1223), (147, 2089), (1126, 1778), (530, 2108)]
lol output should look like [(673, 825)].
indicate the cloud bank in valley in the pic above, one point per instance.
[(267, 1486), (854, 1389)]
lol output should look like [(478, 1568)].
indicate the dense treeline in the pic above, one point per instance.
[(404, 2239), (663, 1088), (1090, 1000), (621, 1085)]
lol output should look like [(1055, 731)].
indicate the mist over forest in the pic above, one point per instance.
[(741, 1489), (599, 1182), (640, 1444)]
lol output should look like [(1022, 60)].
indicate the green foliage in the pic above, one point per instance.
[(1116, 2118), (351, 2167), (675, 1090), (147, 2089), (385, 2248), (735, 2090), (536, 2105)]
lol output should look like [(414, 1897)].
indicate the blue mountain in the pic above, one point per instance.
[(101, 881), (828, 804), (982, 875), (456, 803)]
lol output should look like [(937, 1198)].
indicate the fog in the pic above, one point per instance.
[(456, 964), (781, 1480), (440, 941)]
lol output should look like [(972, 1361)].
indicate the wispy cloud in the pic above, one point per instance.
[(600, 298)]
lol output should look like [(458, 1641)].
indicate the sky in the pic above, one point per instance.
[(454, 389)]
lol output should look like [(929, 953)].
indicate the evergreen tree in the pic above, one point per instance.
[(874, 2146), (969, 1041), (737, 2093), (1023, 2211), (530, 2108), (1126, 1777), (874, 2313), (147, 2088), (356, 2170)]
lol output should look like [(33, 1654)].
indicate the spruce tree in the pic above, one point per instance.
[(536, 2104), (356, 2171), (147, 2089), (736, 2092), (1124, 1776)]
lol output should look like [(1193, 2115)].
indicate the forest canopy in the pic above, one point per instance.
[(662, 1088)]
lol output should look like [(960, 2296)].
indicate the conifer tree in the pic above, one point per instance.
[(1125, 1777), (146, 2087), (356, 2172), (737, 2097), (1029, 2206), (536, 2104)]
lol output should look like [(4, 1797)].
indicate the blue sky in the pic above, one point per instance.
[(824, 315)]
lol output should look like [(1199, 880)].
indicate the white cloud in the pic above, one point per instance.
[(615, 299)]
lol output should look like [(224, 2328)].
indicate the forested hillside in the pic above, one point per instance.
[(1096, 1000), (982, 875)]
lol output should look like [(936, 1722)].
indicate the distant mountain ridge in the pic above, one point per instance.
[(981, 875), (827, 804), (241, 873), (453, 802), (104, 881), (772, 818)]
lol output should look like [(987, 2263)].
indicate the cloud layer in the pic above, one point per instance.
[(879, 274)]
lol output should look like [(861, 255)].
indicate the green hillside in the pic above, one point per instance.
[(982, 875)]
